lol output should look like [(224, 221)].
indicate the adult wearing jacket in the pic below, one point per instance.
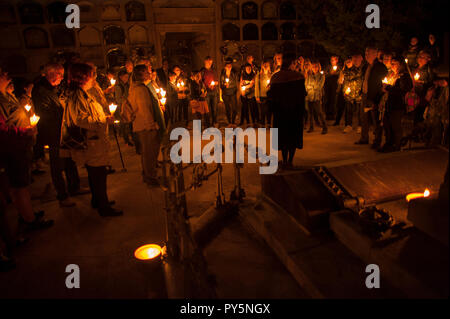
[(314, 87), (248, 96), (286, 98), (229, 82), (209, 79), (374, 74), (84, 112), (49, 107), (262, 84), (143, 113), (399, 84)]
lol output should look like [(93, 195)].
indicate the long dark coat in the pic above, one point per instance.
[(286, 98)]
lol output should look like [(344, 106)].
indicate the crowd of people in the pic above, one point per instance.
[(76, 107)]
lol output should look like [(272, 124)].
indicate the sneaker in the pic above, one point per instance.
[(358, 130), (347, 129), (110, 212), (66, 203)]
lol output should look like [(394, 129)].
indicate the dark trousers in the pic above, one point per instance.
[(230, 102), (351, 113), (97, 183), (183, 107), (211, 99), (57, 166), (266, 114), (150, 149), (340, 107), (315, 107), (125, 132), (330, 97), (392, 123), (249, 107), (366, 118)]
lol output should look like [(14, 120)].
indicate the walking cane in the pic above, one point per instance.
[(112, 109)]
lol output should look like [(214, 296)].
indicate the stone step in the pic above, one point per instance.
[(320, 264)]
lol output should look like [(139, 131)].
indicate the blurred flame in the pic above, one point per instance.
[(147, 252), (28, 107), (412, 196), (34, 120), (112, 108)]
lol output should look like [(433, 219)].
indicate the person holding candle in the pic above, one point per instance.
[(331, 87), (49, 107), (314, 87), (120, 96), (248, 100), (210, 80), (84, 112), (399, 82), (198, 103), (262, 84), (172, 99), (351, 90), (372, 90), (182, 101), (15, 144), (229, 82), (412, 52), (423, 80)]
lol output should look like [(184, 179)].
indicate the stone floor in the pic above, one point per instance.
[(103, 247)]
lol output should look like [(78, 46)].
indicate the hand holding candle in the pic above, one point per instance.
[(385, 81), (34, 120)]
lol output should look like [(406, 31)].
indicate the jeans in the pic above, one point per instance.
[(315, 107), (266, 114), (351, 113), (249, 105), (57, 166)]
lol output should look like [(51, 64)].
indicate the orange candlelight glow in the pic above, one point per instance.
[(34, 120), (112, 108), (417, 76), (113, 81), (411, 196), (28, 107), (348, 91), (385, 81), (147, 252)]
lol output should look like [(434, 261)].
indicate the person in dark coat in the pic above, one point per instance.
[(286, 98), (373, 74), (399, 83), (49, 107)]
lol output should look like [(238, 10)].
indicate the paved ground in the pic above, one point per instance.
[(103, 247)]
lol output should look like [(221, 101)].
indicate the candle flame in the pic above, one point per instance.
[(112, 108), (385, 81), (348, 91), (28, 107), (34, 120), (163, 93), (406, 60), (412, 196), (157, 90), (163, 101), (417, 76), (227, 80), (213, 83), (113, 81), (243, 88), (335, 68)]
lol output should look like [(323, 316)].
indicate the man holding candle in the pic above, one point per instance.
[(229, 81), (423, 80), (372, 90), (50, 109), (262, 84), (209, 78)]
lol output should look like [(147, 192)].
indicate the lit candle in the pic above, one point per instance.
[(417, 76), (157, 90), (163, 93), (182, 83), (406, 60), (348, 90), (227, 80), (34, 120), (112, 108), (321, 72), (28, 107), (113, 81), (116, 121), (268, 81), (411, 196), (178, 85), (243, 88), (163, 101), (213, 83), (335, 68), (385, 81)]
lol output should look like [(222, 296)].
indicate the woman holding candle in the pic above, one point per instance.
[(262, 84), (183, 91), (314, 86), (198, 102), (399, 82), (248, 96), (229, 82), (86, 113)]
